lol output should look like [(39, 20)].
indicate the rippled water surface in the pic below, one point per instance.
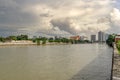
[(55, 62)]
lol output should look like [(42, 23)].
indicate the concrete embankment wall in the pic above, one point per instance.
[(116, 64), (23, 42)]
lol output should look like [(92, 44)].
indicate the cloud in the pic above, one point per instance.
[(115, 20), (75, 26), (115, 16), (63, 17)]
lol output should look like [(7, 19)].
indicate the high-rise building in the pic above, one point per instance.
[(101, 36), (93, 38)]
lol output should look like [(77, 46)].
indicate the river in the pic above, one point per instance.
[(56, 62)]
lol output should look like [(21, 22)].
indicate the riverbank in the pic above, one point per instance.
[(116, 65), (24, 42)]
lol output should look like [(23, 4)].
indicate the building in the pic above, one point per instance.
[(117, 38), (93, 38), (101, 36), (83, 38), (75, 37)]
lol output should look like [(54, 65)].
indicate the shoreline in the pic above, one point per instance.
[(116, 64), (17, 43), (27, 43)]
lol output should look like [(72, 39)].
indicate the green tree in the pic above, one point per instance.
[(38, 41), (44, 42), (22, 37), (2, 39), (12, 37), (65, 40), (110, 40), (43, 38), (51, 40)]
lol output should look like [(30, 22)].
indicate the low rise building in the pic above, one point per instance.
[(75, 37), (117, 38)]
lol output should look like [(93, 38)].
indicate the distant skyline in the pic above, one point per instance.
[(59, 17)]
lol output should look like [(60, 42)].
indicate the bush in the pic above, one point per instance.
[(118, 46)]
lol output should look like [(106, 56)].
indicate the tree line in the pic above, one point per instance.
[(10, 38), (42, 40), (57, 40)]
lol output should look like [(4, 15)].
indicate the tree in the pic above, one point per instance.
[(110, 40), (22, 37), (12, 37), (51, 40), (2, 39), (38, 41), (44, 42), (43, 39)]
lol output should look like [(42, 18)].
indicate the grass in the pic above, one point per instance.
[(119, 51), (118, 46)]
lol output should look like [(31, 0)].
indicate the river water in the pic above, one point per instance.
[(56, 62)]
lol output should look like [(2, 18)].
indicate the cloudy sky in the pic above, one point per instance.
[(59, 17)]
